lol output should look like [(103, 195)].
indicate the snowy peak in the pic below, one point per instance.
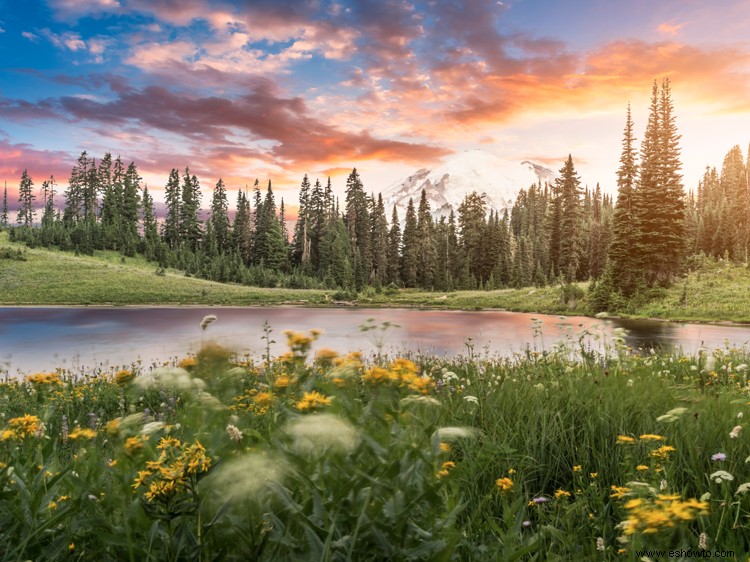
[(447, 184)]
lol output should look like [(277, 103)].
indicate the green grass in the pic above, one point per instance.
[(61, 278), (400, 463)]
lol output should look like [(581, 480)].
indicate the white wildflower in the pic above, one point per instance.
[(600, 544), (318, 433), (662, 485), (735, 433), (741, 368), (630, 382), (721, 476), (742, 489), (208, 320), (710, 362), (448, 376), (234, 433), (419, 399), (739, 415), (244, 478), (672, 415), (703, 541), (152, 427), (472, 399)]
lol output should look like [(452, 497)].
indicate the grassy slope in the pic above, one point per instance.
[(52, 277), (717, 291)]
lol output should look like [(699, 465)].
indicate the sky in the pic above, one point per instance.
[(266, 89)]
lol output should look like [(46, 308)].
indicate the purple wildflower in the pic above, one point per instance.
[(719, 457)]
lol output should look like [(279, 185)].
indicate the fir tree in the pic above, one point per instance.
[(568, 186), (358, 226), (190, 225), (172, 197), (426, 252), (26, 198), (379, 242), (301, 238), (4, 216), (219, 219), (410, 247), (394, 250)]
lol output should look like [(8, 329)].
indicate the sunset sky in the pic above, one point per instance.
[(271, 89)]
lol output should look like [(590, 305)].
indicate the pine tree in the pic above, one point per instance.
[(733, 184), (471, 220), (4, 216), (26, 198), (394, 250), (622, 257), (242, 229), (426, 252), (301, 238), (172, 198), (48, 189), (379, 238), (672, 232), (410, 247), (190, 225), (219, 219), (131, 204), (569, 188), (358, 225)]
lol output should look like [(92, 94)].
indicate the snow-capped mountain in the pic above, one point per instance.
[(462, 173)]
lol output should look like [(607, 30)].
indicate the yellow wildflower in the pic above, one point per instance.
[(559, 494), (577, 468), (618, 492), (593, 474), (312, 400), (641, 468), (44, 379), (124, 377), (651, 437), (188, 363), (625, 439), (504, 484), (282, 381), (662, 453), (445, 447), (79, 433)]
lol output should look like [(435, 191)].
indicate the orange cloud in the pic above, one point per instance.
[(669, 28)]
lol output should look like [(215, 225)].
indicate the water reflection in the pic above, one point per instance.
[(40, 339)]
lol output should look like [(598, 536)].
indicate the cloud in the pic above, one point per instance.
[(30, 36), (14, 158), (668, 28), (66, 40)]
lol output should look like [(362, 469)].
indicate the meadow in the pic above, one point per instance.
[(563, 454)]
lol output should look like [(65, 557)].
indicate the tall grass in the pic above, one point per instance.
[(542, 456)]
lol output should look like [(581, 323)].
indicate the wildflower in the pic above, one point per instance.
[(559, 494), (600, 544), (445, 469), (472, 399), (312, 400), (593, 474), (577, 468), (152, 427), (43, 379), (282, 381), (504, 484), (538, 501), (318, 433), (71, 547), (511, 471), (123, 377), (742, 489), (651, 437), (739, 415), (618, 492), (234, 433), (735, 433), (526, 524), (672, 415), (721, 476), (134, 445), (703, 541), (641, 468), (207, 321), (376, 375), (662, 453), (624, 439), (630, 382), (662, 485), (325, 355), (718, 457), (187, 363), (445, 447), (79, 433), (25, 426)]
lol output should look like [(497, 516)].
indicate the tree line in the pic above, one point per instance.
[(554, 233)]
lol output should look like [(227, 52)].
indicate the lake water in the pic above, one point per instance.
[(40, 339)]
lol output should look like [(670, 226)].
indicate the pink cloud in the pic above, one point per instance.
[(668, 28)]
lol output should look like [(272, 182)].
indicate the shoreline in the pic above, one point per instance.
[(373, 306)]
